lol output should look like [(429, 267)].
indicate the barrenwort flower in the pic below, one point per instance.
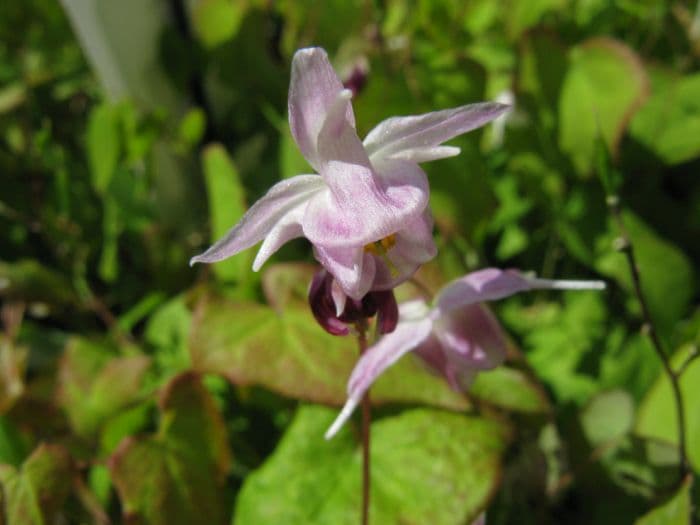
[(366, 212), (457, 337), (333, 310)]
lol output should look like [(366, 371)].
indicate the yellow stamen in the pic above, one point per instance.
[(380, 249)]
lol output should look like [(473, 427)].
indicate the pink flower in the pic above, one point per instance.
[(457, 337), (366, 211)]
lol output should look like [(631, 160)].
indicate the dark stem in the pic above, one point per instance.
[(626, 247), (365, 428)]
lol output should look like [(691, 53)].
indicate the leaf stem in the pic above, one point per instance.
[(365, 428), (625, 246)]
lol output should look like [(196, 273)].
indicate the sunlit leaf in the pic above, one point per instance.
[(669, 123), (677, 510), (428, 466), (103, 145), (604, 85), (608, 416), (226, 207), (216, 21), (657, 413)]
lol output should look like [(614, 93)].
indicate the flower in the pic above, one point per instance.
[(334, 311), (366, 211), (457, 337)]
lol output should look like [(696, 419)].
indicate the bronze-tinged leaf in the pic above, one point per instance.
[(95, 384), (34, 494), (177, 475), (289, 353)]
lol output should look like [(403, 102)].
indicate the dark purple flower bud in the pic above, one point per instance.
[(325, 310), (383, 303), (356, 78)]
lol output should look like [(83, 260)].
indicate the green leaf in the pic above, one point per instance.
[(177, 476), (428, 466), (28, 280), (35, 493), (192, 127), (669, 123), (167, 331), (103, 145), (216, 21), (108, 266), (676, 511), (510, 389), (226, 207), (607, 417), (523, 14), (290, 354), (604, 85), (94, 384), (558, 340), (666, 272), (657, 412), (13, 360)]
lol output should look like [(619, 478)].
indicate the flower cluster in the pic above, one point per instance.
[(365, 212)]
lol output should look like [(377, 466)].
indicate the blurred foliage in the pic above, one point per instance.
[(136, 389)]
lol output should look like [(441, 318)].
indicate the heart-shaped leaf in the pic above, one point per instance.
[(176, 476), (290, 354), (427, 466)]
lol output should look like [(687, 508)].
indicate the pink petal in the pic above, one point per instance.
[(313, 88), (286, 229), (363, 207), (472, 336), (283, 198), (352, 268), (418, 138), (462, 343), (378, 358), (491, 284)]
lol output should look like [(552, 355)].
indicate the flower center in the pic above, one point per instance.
[(381, 248)]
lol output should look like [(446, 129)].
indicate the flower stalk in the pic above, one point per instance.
[(361, 327), (625, 246)]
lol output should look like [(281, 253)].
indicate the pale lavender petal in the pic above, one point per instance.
[(413, 247), (472, 338), (339, 298), (491, 284), (352, 268), (363, 207), (378, 358), (263, 216), (286, 229), (313, 88), (433, 355), (396, 137), (419, 155)]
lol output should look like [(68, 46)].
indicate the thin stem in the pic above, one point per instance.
[(626, 247), (365, 429), (692, 356)]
